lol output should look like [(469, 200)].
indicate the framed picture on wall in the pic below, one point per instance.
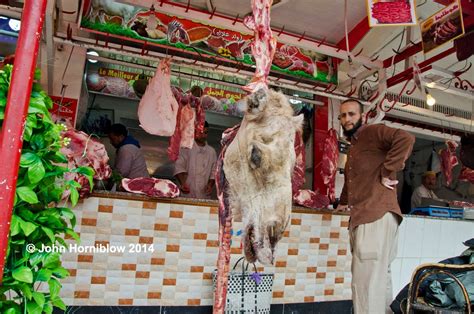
[(97, 121)]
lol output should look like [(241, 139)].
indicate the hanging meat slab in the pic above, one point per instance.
[(158, 108), (448, 160), (329, 163)]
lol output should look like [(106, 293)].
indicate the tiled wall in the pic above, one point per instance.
[(427, 240), (313, 258)]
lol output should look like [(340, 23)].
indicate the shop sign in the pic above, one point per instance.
[(442, 27), (64, 110), (223, 94), (169, 30), (391, 13), (112, 82), (226, 101)]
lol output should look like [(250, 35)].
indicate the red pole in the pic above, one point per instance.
[(11, 136)]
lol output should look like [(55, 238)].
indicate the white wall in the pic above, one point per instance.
[(427, 240)]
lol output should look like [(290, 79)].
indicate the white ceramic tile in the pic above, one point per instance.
[(449, 244), (431, 238), (407, 268), (413, 238), (396, 268)]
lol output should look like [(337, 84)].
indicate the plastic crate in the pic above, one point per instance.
[(431, 211), (457, 213)]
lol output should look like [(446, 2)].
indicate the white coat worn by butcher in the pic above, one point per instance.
[(158, 108)]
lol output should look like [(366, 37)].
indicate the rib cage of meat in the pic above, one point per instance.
[(329, 163), (264, 44), (158, 108), (189, 119)]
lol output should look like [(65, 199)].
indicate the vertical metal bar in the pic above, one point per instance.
[(11, 136)]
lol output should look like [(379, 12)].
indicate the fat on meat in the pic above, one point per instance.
[(188, 117), (448, 160), (158, 108), (264, 44), (329, 163), (151, 187), (311, 199), (467, 174), (84, 151)]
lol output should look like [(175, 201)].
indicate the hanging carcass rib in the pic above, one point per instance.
[(264, 44)]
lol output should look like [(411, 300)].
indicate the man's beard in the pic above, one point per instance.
[(351, 132)]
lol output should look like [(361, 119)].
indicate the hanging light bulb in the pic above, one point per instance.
[(94, 54), (430, 100)]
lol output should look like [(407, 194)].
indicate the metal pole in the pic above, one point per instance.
[(11, 136)]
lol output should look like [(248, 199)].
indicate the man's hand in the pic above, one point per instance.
[(185, 188), (389, 184), (343, 208)]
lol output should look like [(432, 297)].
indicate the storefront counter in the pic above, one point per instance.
[(178, 247)]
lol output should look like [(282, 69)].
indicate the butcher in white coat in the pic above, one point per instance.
[(195, 167)]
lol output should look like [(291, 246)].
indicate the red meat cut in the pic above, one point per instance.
[(329, 163), (151, 187), (448, 160), (310, 199), (297, 179)]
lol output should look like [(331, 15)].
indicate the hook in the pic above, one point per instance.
[(395, 100), (281, 30), (357, 54), (396, 51), (187, 7), (352, 91), (236, 19), (374, 96), (375, 58), (302, 36), (460, 72), (409, 92), (213, 12), (322, 41)]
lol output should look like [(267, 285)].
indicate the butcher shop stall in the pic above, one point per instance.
[(231, 117)]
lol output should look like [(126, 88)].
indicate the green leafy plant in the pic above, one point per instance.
[(31, 281)]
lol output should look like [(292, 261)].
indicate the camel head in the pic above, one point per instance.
[(258, 165)]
